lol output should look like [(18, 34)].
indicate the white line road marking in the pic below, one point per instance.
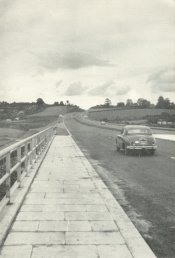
[(172, 157)]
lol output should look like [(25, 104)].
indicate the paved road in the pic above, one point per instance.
[(144, 186)]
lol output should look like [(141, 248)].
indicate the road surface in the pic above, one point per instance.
[(144, 186)]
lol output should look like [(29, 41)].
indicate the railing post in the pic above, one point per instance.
[(19, 168), (39, 147), (26, 160), (43, 139), (31, 154), (35, 151), (8, 181), (47, 137)]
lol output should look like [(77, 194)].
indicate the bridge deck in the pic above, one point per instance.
[(69, 212)]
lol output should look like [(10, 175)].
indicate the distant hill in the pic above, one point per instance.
[(13, 110), (51, 111), (24, 119)]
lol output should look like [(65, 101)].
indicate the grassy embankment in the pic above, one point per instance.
[(150, 116), (30, 124)]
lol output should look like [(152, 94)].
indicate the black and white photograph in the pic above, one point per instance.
[(87, 129)]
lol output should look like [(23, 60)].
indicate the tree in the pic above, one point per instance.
[(143, 103), (61, 103), (108, 102), (120, 104), (163, 103), (129, 103), (172, 105), (167, 103), (160, 102), (56, 103), (40, 102), (67, 103)]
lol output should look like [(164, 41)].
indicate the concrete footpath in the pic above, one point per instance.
[(69, 213)]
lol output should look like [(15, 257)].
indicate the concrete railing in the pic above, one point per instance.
[(17, 159)]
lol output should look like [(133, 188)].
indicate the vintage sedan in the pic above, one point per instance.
[(136, 137)]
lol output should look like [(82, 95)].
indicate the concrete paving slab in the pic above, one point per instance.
[(79, 190), (96, 207), (51, 226), (114, 251), (65, 252), (25, 226), (34, 195), (48, 184), (93, 238), (88, 216), (63, 201), (16, 252), (64, 207), (99, 215), (40, 216), (46, 190), (71, 188), (31, 207), (103, 226), (79, 226), (72, 195), (76, 216), (35, 238)]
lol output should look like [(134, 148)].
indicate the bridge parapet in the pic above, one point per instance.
[(17, 159)]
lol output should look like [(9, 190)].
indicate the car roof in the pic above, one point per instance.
[(136, 126)]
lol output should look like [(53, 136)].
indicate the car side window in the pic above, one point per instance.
[(122, 131)]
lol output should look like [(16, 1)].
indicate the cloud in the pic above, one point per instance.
[(123, 90), (102, 89), (45, 41), (71, 60), (109, 88), (58, 83), (4, 5), (74, 89), (163, 81)]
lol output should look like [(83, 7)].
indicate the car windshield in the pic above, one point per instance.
[(138, 131)]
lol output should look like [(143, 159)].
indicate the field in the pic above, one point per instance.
[(15, 130), (114, 114), (51, 111), (8, 135)]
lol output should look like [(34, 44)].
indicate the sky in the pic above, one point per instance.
[(87, 51)]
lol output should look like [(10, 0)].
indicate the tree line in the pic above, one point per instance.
[(38, 103), (162, 103), (20, 109)]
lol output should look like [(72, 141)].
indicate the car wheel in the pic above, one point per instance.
[(125, 150), (118, 148), (152, 152)]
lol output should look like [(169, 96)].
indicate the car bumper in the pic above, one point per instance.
[(144, 147)]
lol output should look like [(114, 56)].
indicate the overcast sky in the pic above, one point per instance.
[(84, 51)]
